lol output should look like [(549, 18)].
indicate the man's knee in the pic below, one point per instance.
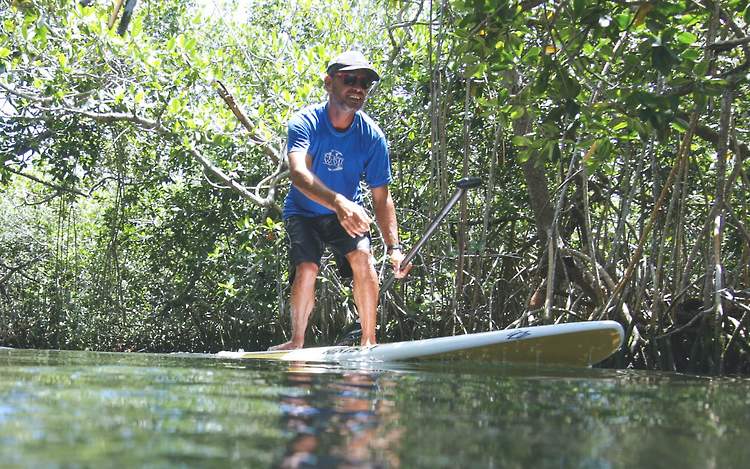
[(361, 261), (306, 272)]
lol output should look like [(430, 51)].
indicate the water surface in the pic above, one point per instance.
[(84, 409)]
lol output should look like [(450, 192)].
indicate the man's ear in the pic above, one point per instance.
[(327, 82)]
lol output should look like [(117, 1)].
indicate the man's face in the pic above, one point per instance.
[(349, 89)]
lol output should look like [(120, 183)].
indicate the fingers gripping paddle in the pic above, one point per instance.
[(462, 186)]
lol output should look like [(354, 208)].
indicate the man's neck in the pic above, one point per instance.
[(341, 119)]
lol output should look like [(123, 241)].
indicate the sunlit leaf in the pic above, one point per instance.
[(136, 27), (518, 112), (691, 54), (687, 37), (679, 125), (623, 20), (521, 141), (619, 126)]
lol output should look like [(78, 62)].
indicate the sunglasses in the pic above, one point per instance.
[(351, 79)]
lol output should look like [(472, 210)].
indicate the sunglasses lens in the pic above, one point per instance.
[(351, 80)]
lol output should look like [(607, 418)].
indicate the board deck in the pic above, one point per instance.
[(572, 344)]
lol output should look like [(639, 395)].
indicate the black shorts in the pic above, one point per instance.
[(308, 237)]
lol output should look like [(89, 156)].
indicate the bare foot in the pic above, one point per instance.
[(285, 346)]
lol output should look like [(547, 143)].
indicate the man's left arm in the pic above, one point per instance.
[(385, 214)]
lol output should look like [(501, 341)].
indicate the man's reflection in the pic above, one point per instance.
[(339, 419)]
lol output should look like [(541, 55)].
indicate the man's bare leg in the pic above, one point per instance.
[(366, 291), (302, 302)]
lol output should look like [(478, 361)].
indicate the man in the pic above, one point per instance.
[(331, 146)]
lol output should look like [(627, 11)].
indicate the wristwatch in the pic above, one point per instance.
[(394, 247)]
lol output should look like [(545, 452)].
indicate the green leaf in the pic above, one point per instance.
[(600, 154), (620, 125), (679, 125), (523, 156), (578, 6), (40, 35), (549, 150), (518, 112), (663, 59), (701, 68), (568, 86), (4, 53), (534, 52), (476, 71), (174, 106), (687, 37), (638, 126), (623, 20), (700, 99), (136, 27), (153, 61), (521, 141), (691, 54)]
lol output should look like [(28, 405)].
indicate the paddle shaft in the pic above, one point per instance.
[(461, 187)]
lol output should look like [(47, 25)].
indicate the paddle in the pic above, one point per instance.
[(461, 187)]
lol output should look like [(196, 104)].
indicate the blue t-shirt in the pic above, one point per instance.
[(339, 159)]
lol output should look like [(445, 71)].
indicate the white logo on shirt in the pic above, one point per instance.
[(334, 160)]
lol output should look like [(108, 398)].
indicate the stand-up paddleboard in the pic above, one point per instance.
[(573, 344)]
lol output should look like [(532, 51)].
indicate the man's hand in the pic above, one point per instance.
[(397, 257), (352, 216)]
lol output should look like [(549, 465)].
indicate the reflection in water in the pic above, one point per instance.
[(75, 409), (339, 422)]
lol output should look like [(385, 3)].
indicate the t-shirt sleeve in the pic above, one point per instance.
[(378, 167), (298, 134)]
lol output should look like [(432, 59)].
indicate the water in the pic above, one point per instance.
[(82, 409)]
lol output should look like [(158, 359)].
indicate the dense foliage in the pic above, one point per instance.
[(140, 213)]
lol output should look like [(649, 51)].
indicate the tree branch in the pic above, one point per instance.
[(13, 270), (230, 182), (728, 45), (149, 124), (52, 185), (240, 114)]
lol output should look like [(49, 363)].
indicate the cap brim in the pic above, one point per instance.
[(352, 68)]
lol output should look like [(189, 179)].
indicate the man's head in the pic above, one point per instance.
[(349, 77)]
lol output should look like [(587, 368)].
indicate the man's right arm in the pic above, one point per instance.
[(352, 217)]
